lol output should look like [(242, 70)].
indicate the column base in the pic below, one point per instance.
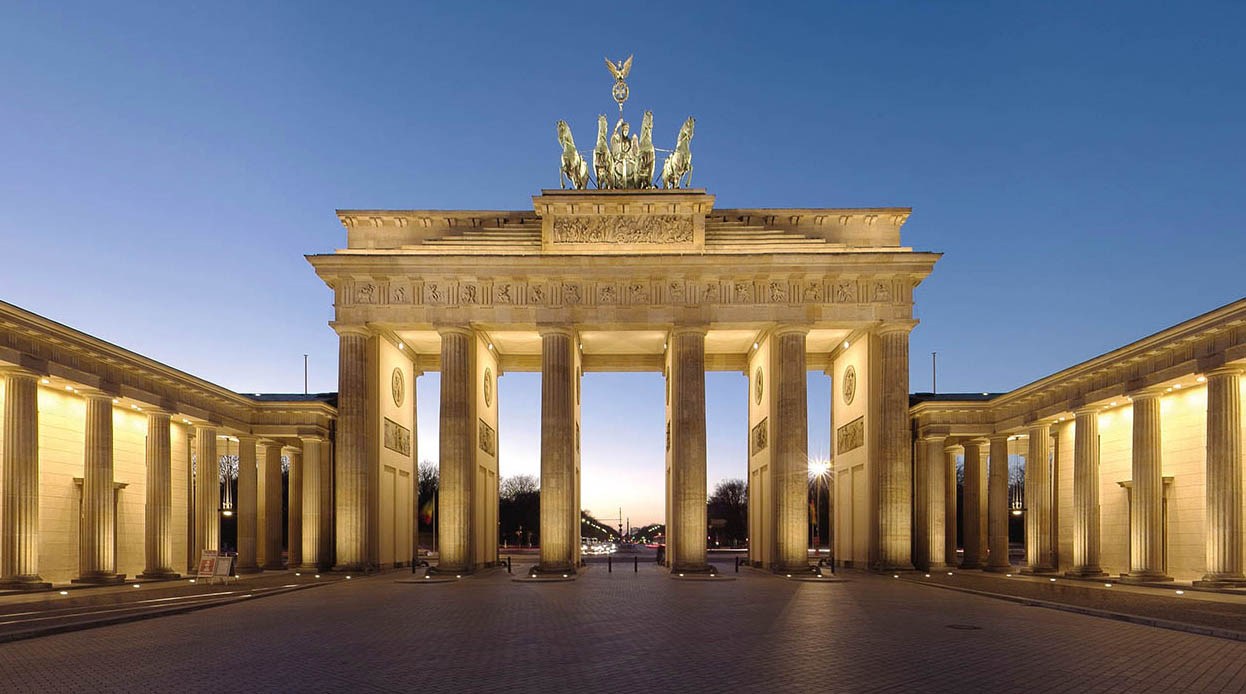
[(694, 570), (1139, 577), (971, 566), (1086, 572), (247, 569), (1214, 581), (1000, 568), (314, 568), (944, 567), (100, 579), (799, 570), (25, 583), (268, 566), (158, 575), (1037, 571)]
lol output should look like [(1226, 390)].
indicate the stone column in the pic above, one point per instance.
[(1039, 552), (790, 459), (937, 518), (294, 511), (312, 558), (352, 452), (558, 533), (972, 513), (454, 493), (97, 557), (1146, 512), (248, 503), (921, 517), (158, 553), (1086, 493), (688, 493), (270, 522), (207, 491), (895, 478), (949, 503), (997, 505), (19, 460), (1224, 479)]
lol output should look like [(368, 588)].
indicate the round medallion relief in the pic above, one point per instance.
[(758, 386), (399, 386), (487, 387), (850, 384)]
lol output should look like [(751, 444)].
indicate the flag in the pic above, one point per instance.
[(426, 511)]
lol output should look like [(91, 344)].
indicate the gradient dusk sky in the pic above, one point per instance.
[(163, 168)]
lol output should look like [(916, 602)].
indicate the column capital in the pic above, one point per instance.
[(1033, 428), (789, 329), (247, 438), (1086, 410), (689, 329), (993, 438), (975, 441), (314, 438), (905, 326), (344, 329), (1226, 370), (951, 448), (933, 438), (16, 370), (1146, 393), (564, 329), (444, 329), (159, 412), (96, 394)]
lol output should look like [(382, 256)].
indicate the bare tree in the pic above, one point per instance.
[(518, 485), (729, 504)]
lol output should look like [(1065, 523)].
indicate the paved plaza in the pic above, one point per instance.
[(626, 632)]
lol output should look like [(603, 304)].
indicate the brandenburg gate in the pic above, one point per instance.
[(623, 276)]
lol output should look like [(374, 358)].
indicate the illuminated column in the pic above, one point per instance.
[(312, 558), (559, 534), (895, 476), (790, 461), (270, 518), (949, 503), (19, 460), (454, 513), (974, 507), (351, 476), (207, 491), (688, 474), (1224, 478), (1039, 552), (158, 553), (294, 511), (97, 558), (921, 518), (997, 505), (248, 502), (1086, 493), (935, 507), (1146, 520)]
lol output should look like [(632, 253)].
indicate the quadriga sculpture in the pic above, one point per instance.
[(574, 168)]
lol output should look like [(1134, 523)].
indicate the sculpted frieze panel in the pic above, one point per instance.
[(446, 292), (623, 229)]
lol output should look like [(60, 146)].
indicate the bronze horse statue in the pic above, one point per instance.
[(679, 163), (573, 167)]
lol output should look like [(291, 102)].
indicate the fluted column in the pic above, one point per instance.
[(895, 477), (790, 461), (1039, 552), (949, 503), (19, 460), (207, 491), (558, 533), (973, 514), (1146, 512), (97, 557), (248, 503), (688, 492), (997, 505), (351, 476), (936, 504), (158, 554), (312, 557), (454, 493), (1086, 493), (1224, 479), (294, 511), (921, 495), (270, 519)]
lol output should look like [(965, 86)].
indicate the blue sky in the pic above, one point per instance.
[(165, 167)]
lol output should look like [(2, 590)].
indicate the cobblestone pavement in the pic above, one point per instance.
[(626, 632)]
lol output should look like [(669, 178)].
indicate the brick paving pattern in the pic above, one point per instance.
[(626, 632)]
